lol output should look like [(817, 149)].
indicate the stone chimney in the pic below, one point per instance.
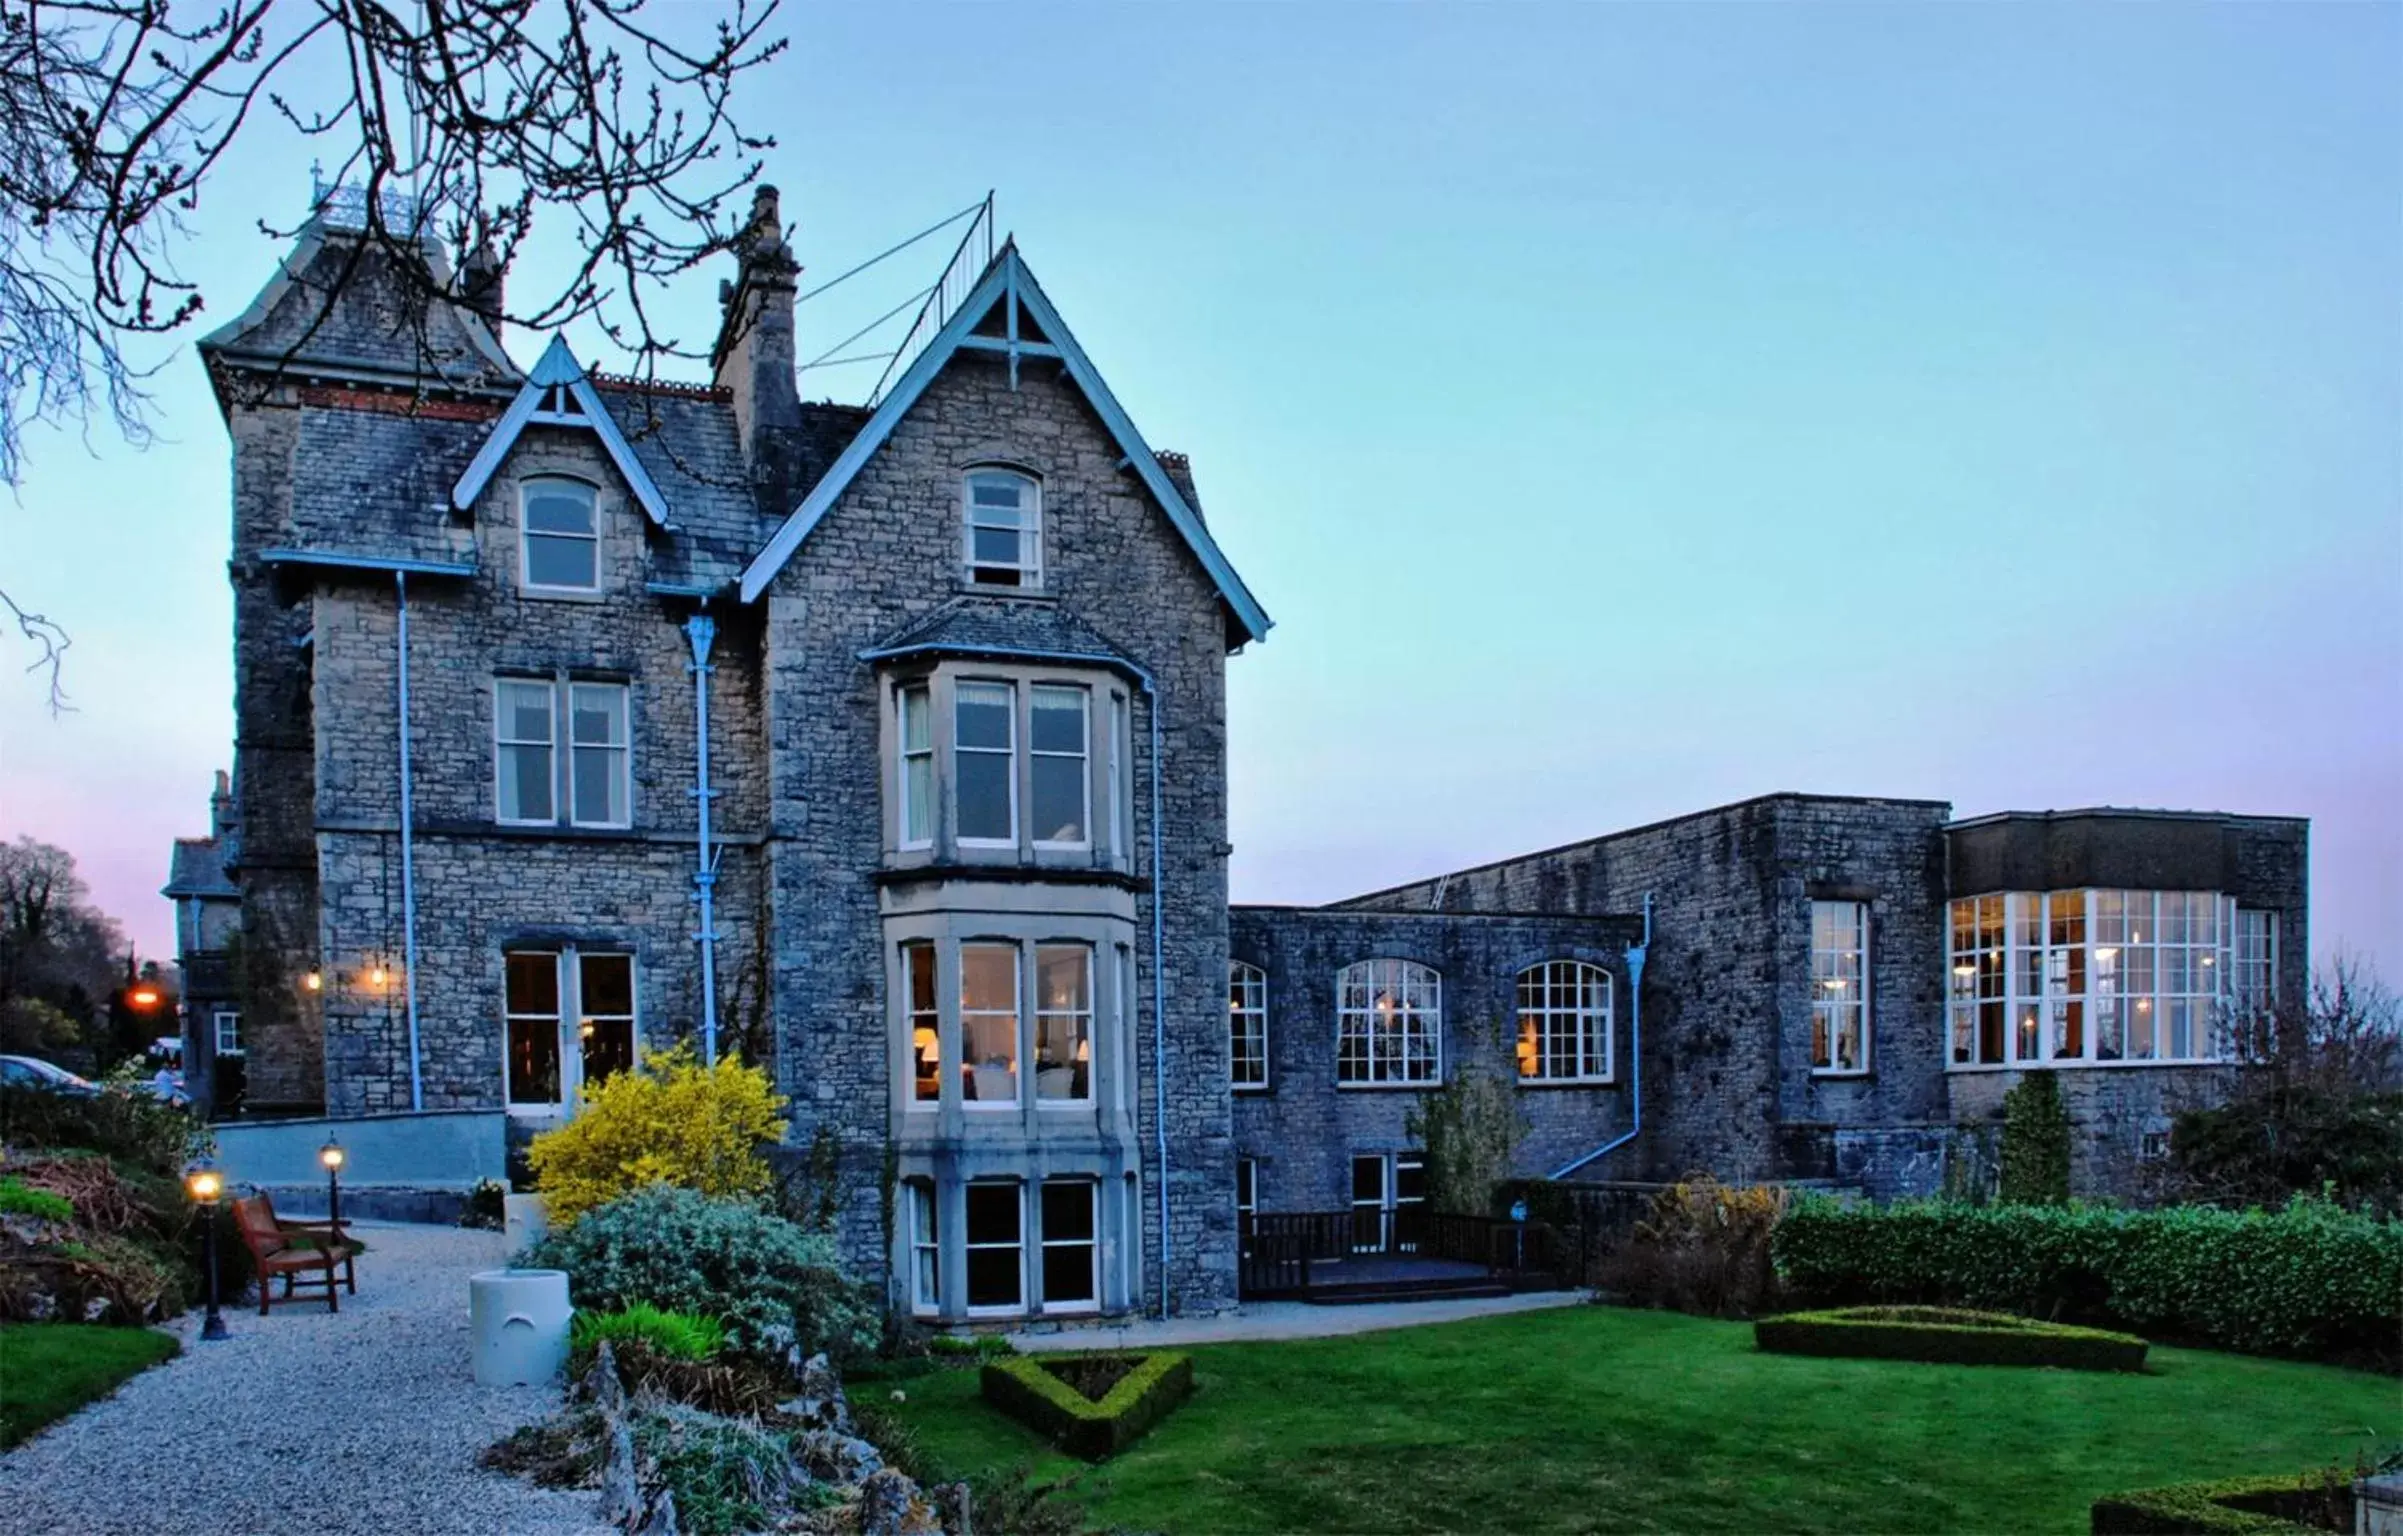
[(482, 281), (754, 356), (221, 805)]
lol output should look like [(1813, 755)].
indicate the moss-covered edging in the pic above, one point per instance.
[(2231, 1506), (1022, 1387), (1948, 1336)]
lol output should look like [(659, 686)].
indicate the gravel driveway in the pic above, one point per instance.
[(368, 1421)]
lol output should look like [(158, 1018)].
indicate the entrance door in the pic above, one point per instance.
[(1389, 1202)]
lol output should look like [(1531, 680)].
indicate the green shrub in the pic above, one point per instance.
[(2035, 1143), (486, 1207), (676, 1335), (1704, 1249), (1030, 1389), (1949, 1336), (17, 1200), (727, 1476), (2286, 1504), (2310, 1280), (774, 1285), (133, 1128)]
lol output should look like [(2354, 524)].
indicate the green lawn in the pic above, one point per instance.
[(1595, 1418), (48, 1370)]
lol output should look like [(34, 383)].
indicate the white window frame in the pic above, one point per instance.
[(567, 962), (501, 744), (1590, 1022), (1008, 754), (1017, 1017), (1084, 1017), (618, 754), (1833, 995), (1418, 1011), (1122, 808), (1247, 1202), (970, 1248), (225, 1029), (914, 1019), (2057, 959), (526, 534), (1247, 1021), (909, 756), (1029, 564), (2254, 960), (1091, 1302), (925, 1247), (1083, 757)]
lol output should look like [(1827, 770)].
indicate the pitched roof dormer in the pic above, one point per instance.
[(558, 393)]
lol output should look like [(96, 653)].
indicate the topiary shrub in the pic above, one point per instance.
[(2285, 1504), (1948, 1336), (1703, 1248), (675, 1122), (1037, 1391), (774, 1285), (2035, 1142)]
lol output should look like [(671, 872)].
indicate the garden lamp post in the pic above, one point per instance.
[(332, 1156), (205, 1185)]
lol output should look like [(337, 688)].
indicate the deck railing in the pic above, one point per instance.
[(1284, 1252)]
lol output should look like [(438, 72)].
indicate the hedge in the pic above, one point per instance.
[(1019, 1385), (2233, 1506), (2309, 1280), (1948, 1336)]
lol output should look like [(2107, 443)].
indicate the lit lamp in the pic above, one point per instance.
[(331, 1156), (206, 1185), (314, 981)]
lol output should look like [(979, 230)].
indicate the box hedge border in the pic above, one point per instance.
[(1948, 1336), (2209, 1508), (1023, 1388)]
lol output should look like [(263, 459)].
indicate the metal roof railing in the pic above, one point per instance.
[(968, 263)]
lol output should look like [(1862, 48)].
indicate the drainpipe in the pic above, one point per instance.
[(1159, 991), (1635, 1050), (408, 820), (702, 631)]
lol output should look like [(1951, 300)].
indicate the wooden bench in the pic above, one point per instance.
[(327, 1263)]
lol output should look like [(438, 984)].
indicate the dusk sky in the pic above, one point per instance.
[(1621, 409)]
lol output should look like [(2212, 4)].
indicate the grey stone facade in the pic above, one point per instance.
[(381, 461)]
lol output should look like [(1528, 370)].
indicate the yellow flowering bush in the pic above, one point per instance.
[(675, 1122)]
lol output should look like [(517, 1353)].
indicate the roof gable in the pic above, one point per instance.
[(559, 394), (1027, 316)]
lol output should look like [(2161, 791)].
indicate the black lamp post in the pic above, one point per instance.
[(205, 1185), (332, 1155)]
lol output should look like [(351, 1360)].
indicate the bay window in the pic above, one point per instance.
[(993, 764), (2076, 978)]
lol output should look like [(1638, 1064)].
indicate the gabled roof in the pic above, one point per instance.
[(558, 394), (198, 869), (1008, 281), (1032, 629)]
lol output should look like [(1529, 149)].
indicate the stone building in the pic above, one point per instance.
[(576, 717)]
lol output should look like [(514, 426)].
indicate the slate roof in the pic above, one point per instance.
[(376, 484), (197, 868), (691, 447), (1002, 626)]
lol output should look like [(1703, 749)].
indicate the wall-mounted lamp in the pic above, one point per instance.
[(314, 981)]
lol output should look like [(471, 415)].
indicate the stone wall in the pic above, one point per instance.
[(1302, 1130)]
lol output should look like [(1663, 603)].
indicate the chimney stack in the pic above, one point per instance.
[(221, 805), (754, 356), (481, 282)]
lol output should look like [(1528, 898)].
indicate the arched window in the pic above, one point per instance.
[(1247, 1026), (1004, 513), (1389, 1024), (1564, 1023), (559, 544)]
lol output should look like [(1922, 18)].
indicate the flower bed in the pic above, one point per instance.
[(1949, 1336), (1043, 1394)]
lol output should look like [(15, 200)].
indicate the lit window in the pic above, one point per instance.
[(989, 1024), (601, 760), (522, 737), (1071, 1273), (1004, 529), (1247, 1025), (917, 767), (926, 1061), (1389, 1023), (541, 989), (926, 1252), (996, 1247), (1839, 986), (2075, 977), (1062, 787), (1063, 1022), (561, 547), (985, 749), (533, 1016), (227, 1025), (605, 1015), (1564, 1022)]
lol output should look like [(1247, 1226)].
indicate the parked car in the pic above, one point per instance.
[(33, 1072)]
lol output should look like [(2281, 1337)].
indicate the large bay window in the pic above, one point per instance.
[(994, 765), (1017, 1001), (1839, 987), (1389, 1024), (2074, 978), (1564, 1023)]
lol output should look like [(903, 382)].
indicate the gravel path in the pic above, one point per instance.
[(368, 1421)]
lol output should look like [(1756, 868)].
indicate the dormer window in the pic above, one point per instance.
[(560, 541), (1004, 528)]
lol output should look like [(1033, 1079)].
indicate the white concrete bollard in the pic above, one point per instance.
[(517, 1323), (524, 1220)]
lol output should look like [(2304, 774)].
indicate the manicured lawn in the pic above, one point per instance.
[(48, 1370), (1599, 1419)]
